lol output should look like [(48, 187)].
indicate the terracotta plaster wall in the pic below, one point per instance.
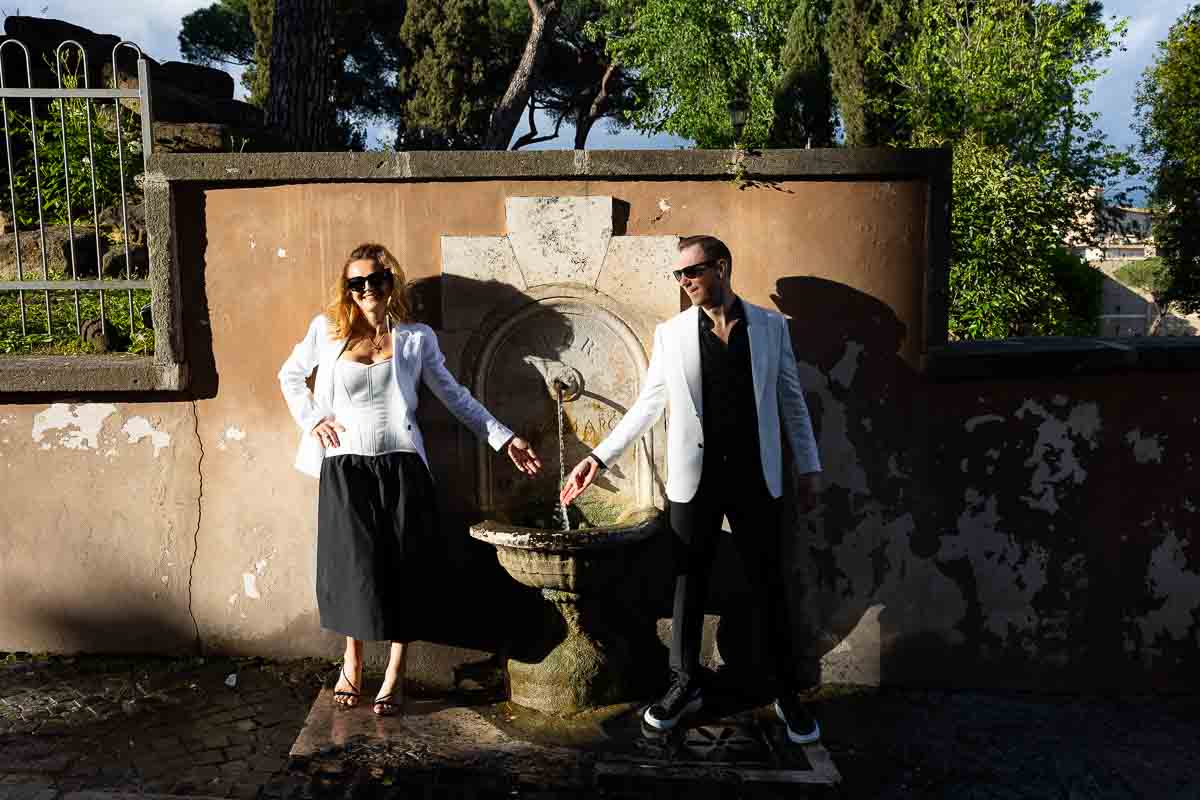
[(988, 532), (268, 257), (97, 525)]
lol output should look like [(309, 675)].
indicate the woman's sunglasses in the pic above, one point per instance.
[(377, 281), (693, 271)]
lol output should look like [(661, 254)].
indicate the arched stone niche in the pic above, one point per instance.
[(560, 297)]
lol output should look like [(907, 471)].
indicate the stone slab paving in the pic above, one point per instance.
[(96, 728)]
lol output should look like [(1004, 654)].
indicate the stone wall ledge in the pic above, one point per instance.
[(833, 163), (88, 373), (1059, 356)]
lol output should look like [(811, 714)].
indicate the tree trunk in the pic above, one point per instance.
[(1160, 315), (507, 114), (588, 114), (300, 105)]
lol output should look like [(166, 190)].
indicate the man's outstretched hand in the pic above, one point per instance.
[(807, 487), (580, 478)]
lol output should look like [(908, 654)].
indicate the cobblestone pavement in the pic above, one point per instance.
[(69, 726), (219, 728)]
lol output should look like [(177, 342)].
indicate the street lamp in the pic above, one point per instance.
[(739, 112)]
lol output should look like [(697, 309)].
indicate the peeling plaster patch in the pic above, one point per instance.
[(165, 579), (1145, 448), (993, 454), (1177, 588), (963, 465), (841, 464), (253, 244), (663, 205), (975, 422), (845, 369), (233, 598), (1053, 459), (260, 567), (81, 426), (231, 434), (1008, 574), (250, 586), (281, 253), (138, 428)]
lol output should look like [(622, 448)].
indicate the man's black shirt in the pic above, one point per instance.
[(730, 417)]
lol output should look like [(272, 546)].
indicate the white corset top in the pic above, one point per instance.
[(360, 405)]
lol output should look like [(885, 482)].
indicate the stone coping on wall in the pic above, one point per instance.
[(1059, 356), (549, 165), (113, 372)]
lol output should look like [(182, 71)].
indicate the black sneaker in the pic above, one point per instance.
[(675, 703), (801, 727)]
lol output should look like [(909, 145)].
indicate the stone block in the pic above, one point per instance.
[(202, 80), (477, 273), (559, 239), (637, 272)]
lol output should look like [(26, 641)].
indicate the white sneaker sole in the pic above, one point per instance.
[(667, 724), (796, 738)]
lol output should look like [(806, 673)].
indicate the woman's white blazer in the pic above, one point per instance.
[(416, 357)]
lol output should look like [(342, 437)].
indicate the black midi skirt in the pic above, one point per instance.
[(376, 522)]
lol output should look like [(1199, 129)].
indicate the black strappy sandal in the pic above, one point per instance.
[(343, 693), (389, 708)]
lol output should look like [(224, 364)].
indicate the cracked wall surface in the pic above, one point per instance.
[(1039, 533)]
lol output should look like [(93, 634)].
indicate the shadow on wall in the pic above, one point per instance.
[(860, 395), (122, 617), (192, 252)]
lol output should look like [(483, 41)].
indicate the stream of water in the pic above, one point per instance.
[(562, 460)]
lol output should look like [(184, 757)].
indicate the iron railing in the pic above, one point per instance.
[(47, 283)]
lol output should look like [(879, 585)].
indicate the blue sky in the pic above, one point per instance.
[(155, 26)]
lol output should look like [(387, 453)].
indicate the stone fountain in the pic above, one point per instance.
[(568, 311)]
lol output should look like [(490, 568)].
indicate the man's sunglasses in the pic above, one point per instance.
[(693, 270), (377, 280)]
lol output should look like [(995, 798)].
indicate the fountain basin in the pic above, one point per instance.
[(584, 651), (568, 561)]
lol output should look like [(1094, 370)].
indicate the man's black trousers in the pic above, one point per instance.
[(734, 489)]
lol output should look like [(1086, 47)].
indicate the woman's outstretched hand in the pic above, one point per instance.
[(523, 457), (580, 478)]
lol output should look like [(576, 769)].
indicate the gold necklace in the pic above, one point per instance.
[(377, 341)]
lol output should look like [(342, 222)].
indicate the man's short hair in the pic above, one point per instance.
[(712, 247)]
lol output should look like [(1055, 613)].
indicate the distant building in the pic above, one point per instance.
[(1127, 235)]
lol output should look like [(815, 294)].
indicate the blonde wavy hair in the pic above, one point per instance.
[(342, 312)]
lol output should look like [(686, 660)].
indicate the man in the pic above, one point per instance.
[(725, 370)]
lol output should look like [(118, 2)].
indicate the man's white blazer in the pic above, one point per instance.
[(673, 382)]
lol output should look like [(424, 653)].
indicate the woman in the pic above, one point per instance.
[(375, 502)]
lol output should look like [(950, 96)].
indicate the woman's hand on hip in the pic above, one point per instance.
[(326, 432), (522, 456)]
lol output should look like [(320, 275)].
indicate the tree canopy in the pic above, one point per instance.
[(1005, 83), (1168, 122)]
